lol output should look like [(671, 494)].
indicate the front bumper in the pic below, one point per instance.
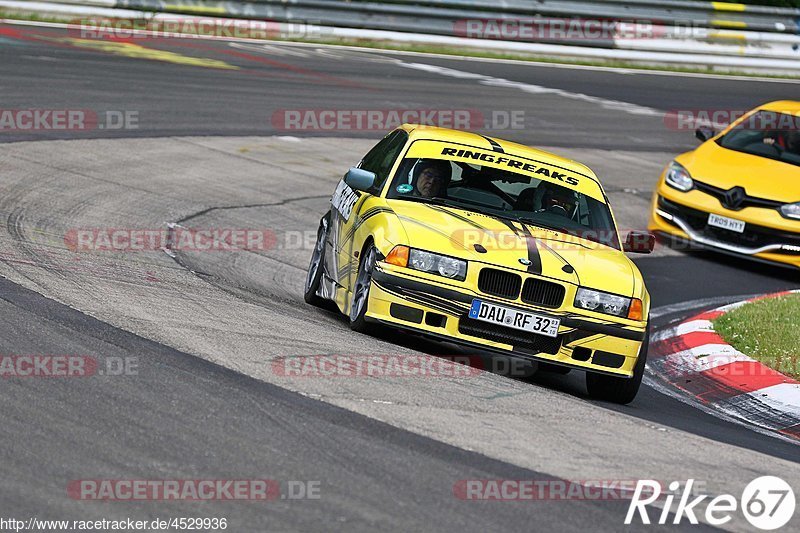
[(688, 225), (408, 302)]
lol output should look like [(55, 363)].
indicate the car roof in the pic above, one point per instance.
[(417, 132), (783, 106)]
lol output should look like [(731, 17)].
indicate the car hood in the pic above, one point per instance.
[(761, 177), (455, 232)]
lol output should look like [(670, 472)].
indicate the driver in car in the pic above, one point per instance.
[(432, 178), (788, 141), (793, 142), (559, 200)]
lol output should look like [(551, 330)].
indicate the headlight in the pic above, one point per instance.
[(791, 210), (449, 267), (443, 265), (603, 302), (678, 177), (420, 260)]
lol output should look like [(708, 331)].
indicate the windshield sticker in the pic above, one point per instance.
[(527, 167), (511, 163), (404, 188)]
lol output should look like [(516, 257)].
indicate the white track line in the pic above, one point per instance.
[(612, 105)]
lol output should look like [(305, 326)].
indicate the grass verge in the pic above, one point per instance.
[(766, 330)]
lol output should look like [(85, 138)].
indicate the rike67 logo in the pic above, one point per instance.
[(767, 503)]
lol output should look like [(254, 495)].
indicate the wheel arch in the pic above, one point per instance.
[(385, 231)]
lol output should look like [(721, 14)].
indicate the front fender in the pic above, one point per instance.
[(383, 228)]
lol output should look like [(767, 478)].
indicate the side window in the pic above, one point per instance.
[(383, 155)]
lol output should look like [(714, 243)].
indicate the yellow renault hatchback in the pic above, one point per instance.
[(739, 191)]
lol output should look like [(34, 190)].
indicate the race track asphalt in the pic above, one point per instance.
[(206, 329)]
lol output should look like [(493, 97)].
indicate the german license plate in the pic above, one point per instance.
[(730, 224), (514, 318)]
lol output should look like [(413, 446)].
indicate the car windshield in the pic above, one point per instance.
[(506, 195), (766, 134)]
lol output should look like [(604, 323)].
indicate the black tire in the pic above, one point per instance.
[(360, 299), (315, 267), (619, 390)]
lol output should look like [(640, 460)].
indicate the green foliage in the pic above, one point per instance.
[(767, 330)]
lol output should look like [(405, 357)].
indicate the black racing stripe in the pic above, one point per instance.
[(566, 263), (509, 225), (426, 300), (575, 335), (432, 228), (476, 225), (352, 228), (369, 213), (438, 302), (462, 218), (603, 329), (533, 252), (446, 294), (495, 146), (439, 307), (573, 316)]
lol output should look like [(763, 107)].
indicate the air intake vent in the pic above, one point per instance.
[(520, 340), (544, 293), (499, 283)]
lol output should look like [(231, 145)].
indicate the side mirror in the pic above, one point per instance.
[(359, 179), (639, 242), (704, 133)]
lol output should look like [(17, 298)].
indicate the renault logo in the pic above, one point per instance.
[(733, 198), (525, 261)]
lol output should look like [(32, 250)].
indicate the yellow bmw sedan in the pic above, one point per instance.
[(491, 245), (739, 191)]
